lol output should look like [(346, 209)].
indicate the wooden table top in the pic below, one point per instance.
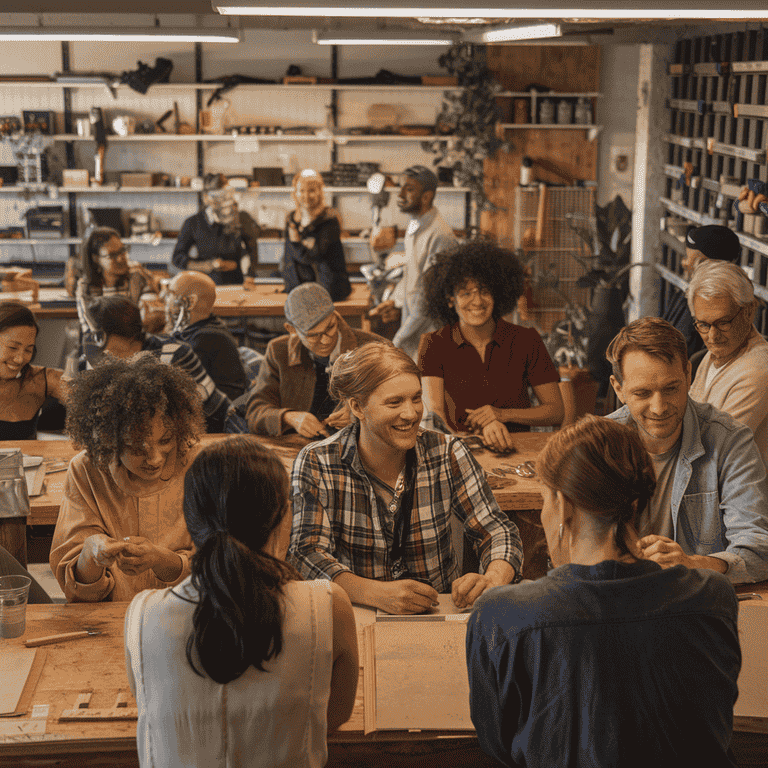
[(512, 493), (96, 665), (258, 300), (268, 300)]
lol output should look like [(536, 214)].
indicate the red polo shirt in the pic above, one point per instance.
[(515, 359)]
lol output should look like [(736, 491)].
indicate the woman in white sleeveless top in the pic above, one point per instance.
[(240, 664)]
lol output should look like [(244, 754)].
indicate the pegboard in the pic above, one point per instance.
[(715, 142)]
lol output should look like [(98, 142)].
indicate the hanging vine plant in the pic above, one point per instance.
[(468, 119)]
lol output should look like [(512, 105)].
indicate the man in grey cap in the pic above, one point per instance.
[(427, 234), (291, 391)]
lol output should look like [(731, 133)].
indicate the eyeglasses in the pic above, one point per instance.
[(116, 254), (720, 325), (328, 332), (464, 295)]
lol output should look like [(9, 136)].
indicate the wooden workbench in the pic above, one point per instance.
[(96, 665), (259, 300), (514, 494)]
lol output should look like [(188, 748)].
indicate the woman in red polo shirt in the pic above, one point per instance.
[(477, 368)]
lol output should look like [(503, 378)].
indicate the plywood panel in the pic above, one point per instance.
[(421, 675), (561, 68)]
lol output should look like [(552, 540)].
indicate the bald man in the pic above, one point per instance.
[(189, 302)]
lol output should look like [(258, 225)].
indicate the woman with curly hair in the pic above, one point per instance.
[(476, 370), (610, 659), (120, 528), (23, 387), (256, 665)]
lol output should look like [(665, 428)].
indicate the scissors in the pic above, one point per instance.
[(526, 469)]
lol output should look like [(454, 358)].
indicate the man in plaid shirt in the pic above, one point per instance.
[(372, 505)]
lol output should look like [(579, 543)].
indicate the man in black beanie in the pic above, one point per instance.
[(701, 243)]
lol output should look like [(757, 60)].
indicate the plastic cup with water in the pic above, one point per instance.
[(14, 593)]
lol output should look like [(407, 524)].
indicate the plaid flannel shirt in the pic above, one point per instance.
[(338, 525)]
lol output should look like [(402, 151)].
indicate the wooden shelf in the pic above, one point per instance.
[(549, 94), (554, 126), (339, 138)]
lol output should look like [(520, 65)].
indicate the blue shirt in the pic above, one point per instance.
[(719, 503), (608, 665)]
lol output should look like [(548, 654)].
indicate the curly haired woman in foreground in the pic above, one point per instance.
[(256, 666), (609, 659), (120, 527)]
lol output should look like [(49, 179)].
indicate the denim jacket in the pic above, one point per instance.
[(719, 492)]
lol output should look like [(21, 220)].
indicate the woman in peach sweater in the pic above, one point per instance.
[(121, 527)]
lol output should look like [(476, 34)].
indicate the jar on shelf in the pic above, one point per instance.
[(546, 111), (583, 112), (564, 112), (520, 111)]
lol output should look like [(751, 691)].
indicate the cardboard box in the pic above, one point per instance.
[(447, 80), (138, 179), (74, 177)]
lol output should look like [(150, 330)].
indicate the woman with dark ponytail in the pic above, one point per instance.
[(609, 660), (241, 664)]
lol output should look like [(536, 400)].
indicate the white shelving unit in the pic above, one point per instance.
[(229, 153)]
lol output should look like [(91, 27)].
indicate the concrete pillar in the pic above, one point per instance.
[(650, 127)]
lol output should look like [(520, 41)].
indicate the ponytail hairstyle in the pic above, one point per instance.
[(235, 497), (602, 467)]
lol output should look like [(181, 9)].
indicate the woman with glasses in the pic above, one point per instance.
[(610, 659), (478, 367), (105, 269)]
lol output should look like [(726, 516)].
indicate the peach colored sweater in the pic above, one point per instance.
[(111, 502)]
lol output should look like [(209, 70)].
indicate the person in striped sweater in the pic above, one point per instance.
[(112, 325)]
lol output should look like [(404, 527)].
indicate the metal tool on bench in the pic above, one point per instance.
[(34, 642), (526, 469)]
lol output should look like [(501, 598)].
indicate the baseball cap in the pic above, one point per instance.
[(423, 175), (307, 305), (715, 242)]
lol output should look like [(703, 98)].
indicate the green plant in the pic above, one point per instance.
[(470, 117)]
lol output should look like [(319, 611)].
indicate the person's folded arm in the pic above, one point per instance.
[(549, 411), (493, 535), (433, 392), (744, 506)]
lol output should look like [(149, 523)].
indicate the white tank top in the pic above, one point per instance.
[(272, 718)]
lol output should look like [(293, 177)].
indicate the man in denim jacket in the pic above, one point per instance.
[(710, 509)]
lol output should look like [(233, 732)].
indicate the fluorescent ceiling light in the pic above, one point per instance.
[(380, 37), (661, 9), (123, 34), (530, 32)]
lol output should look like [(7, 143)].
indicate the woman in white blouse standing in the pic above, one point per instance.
[(240, 664)]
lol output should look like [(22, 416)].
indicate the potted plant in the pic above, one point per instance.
[(468, 119)]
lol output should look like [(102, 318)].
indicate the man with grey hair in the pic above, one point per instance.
[(291, 391), (733, 376), (427, 235)]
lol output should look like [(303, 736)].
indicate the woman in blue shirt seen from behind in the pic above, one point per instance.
[(609, 660)]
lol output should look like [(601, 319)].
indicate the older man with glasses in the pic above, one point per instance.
[(733, 376), (291, 391)]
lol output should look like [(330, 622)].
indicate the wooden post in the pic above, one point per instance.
[(649, 178)]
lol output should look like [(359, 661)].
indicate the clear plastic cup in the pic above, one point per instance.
[(14, 593)]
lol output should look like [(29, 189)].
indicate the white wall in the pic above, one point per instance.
[(617, 112)]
